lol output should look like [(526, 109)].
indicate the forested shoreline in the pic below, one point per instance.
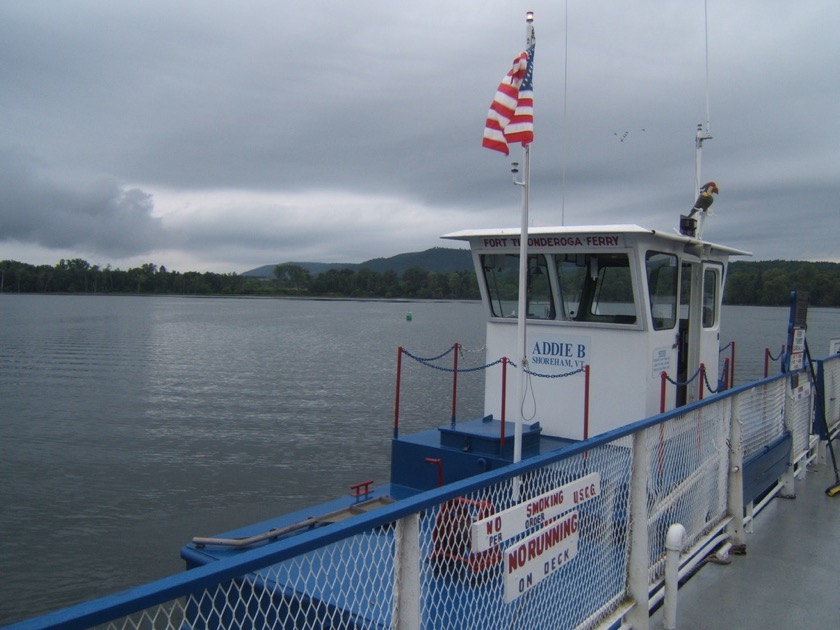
[(79, 277), (758, 283), (769, 282)]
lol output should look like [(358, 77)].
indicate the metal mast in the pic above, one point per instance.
[(522, 307), (703, 132)]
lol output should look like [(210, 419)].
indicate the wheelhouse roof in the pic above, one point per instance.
[(630, 229)]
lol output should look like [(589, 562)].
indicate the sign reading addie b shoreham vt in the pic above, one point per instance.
[(534, 558)]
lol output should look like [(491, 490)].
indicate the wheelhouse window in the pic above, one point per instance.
[(662, 276), (711, 286), (596, 288), (501, 274), (566, 287)]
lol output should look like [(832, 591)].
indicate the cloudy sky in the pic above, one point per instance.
[(224, 136)]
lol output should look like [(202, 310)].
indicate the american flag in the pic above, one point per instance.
[(511, 115)]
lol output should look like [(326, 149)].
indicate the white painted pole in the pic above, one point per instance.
[(407, 574), (735, 504), (698, 158), (788, 479), (637, 567), (673, 548), (698, 165), (522, 307)]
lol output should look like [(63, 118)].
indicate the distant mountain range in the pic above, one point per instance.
[(439, 259)]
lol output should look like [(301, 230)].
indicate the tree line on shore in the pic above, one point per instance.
[(79, 276), (761, 283), (769, 282)]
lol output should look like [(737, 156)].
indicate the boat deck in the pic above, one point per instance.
[(790, 577)]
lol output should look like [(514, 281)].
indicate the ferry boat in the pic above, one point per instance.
[(559, 506), (613, 457)]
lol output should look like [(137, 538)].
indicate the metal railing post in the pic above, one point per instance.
[(726, 373), (673, 548), (735, 529), (637, 567), (732, 365), (663, 380), (504, 401), (788, 479), (586, 402), (397, 396), (407, 573), (455, 383)]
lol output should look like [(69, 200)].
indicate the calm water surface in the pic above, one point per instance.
[(131, 424)]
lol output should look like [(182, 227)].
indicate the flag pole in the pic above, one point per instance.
[(521, 312)]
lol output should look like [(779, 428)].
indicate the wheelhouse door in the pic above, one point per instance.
[(699, 330)]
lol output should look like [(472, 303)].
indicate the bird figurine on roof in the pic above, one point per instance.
[(705, 199)]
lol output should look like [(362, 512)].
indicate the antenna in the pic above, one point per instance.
[(564, 127), (690, 226), (703, 133), (706, 32)]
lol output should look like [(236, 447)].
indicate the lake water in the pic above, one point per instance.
[(131, 424)]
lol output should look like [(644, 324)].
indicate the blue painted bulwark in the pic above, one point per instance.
[(764, 467), (483, 436), (465, 450)]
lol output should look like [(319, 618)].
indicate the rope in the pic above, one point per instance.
[(429, 362), (772, 358), (428, 359), (683, 384), (541, 375), (709, 388)]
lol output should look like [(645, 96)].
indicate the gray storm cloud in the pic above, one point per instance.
[(101, 215), (149, 129)]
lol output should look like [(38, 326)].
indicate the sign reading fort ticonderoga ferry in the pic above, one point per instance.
[(543, 552)]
